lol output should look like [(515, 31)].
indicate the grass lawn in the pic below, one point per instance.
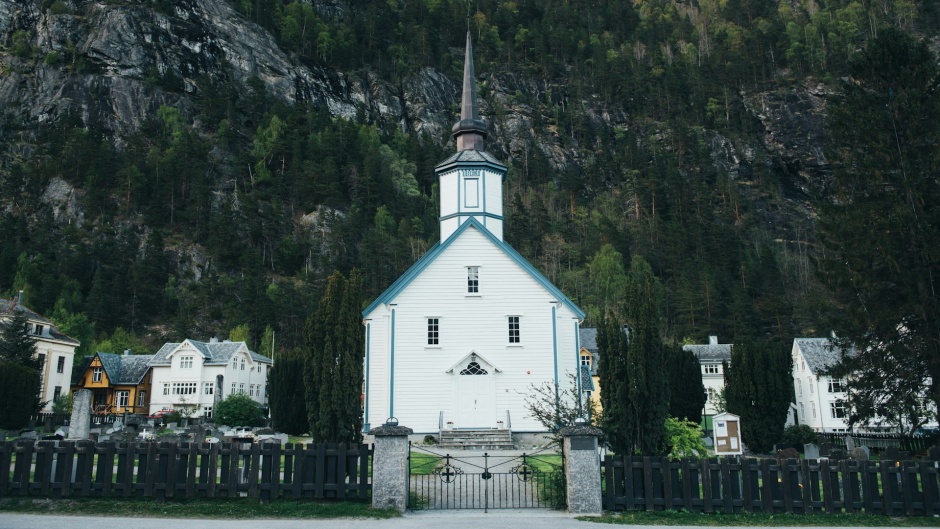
[(215, 508), (768, 520)]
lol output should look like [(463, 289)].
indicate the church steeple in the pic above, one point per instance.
[(470, 131)]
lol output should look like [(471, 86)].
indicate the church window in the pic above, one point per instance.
[(474, 368), (473, 279), (471, 192), (514, 336), (433, 331)]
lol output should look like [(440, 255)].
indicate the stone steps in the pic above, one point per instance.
[(489, 439)]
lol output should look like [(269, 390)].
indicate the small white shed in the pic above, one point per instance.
[(727, 434)]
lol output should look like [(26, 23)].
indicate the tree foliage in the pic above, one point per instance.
[(686, 391), (881, 227), (285, 395), (334, 362), (19, 391), (238, 409), (759, 389), (632, 368), (17, 345)]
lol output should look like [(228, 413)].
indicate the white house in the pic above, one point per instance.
[(820, 398), (462, 336), (199, 373), (55, 350), (711, 356)]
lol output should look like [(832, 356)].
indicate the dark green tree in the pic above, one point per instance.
[(19, 391), (17, 345), (759, 389), (879, 232), (686, 391), (333, 368), (286, 380), (632, 368)]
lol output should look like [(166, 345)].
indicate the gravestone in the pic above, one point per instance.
[(80, 424), (861, 453), (849, 444), (811, 451)]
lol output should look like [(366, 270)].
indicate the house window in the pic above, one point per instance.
[(234, 363), (37, 330), (141, 399), (802, 411), (241, 388), (710, 394), (473, 279), (184, 388), (799, 387), (514, 336), (207, 412), (243, 364), (586, 360), (96, 374), (433, 331), (186, 362), (233, 387), (837, 409), (60, 365), (207, 388), (836, 385), (56, 393), (813, 405), (122, 398), (809, 382), (711, 369), (166, 388)]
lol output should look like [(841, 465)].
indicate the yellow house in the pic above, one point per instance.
[(588, 355), (118, 383)]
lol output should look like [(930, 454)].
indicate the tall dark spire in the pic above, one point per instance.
[(470, 131)]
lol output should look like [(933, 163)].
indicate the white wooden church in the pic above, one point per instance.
[(460, 339)]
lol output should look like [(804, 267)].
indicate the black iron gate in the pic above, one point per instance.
[(471, 481)]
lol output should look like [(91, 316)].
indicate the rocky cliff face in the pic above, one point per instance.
[(113, 65)]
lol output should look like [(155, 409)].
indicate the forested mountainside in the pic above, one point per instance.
[(173, 169)]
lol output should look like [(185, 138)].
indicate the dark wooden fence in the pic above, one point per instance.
[(62, 469), (895, 488)]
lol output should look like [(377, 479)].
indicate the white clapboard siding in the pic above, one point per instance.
[(468, 323)]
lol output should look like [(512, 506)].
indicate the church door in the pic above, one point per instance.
[(476, 397)]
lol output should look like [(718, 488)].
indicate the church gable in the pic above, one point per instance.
[(473, 246)]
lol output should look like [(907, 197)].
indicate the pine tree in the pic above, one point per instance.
[(759, 389), (879, 233), (614, 379), (686, 391), (16, 344), (288, 412)]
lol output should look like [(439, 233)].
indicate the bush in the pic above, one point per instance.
[(238, 409), (798, 434), (62, 404), (683, 439), (19, 393)]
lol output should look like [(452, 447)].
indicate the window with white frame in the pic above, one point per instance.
[(166, 388), (711, 369), (60, 365), (208, 388), (809, 382), (38, 329), (186, 362), (241, 388), (473, 279), (710, 394), (586, 360), (141, 398), (233, 387), (799, 387), (813, 406), (184, 388), (514, 331), (251, 390), (207, 412), (836, 385), (243, 364), (434, 331), (802, 411), (122, 398), (234, 363), (56, 393), (837, 409), (96, 374)]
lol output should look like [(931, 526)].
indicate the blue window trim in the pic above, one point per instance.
[(391, 374), (365, 410), (398, 286)]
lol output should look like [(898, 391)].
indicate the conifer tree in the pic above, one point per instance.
[(288, 412), (759, 389), (686, 391), (16, 344), (614, 379)]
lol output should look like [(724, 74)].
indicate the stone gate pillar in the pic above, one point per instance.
[(582, 469), (390, 466)]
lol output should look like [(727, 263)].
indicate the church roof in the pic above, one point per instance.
[(471, 156), (398, 286)]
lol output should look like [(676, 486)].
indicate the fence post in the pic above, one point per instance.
[(390, 466), (582, 469)]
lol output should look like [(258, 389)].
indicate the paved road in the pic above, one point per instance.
[(521, 519)]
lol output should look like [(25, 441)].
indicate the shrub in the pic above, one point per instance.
[(19, 390), (798, 434), (238, 409), (683, 439)]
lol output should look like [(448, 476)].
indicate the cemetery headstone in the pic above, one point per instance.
[(811, 451), (80, 423)]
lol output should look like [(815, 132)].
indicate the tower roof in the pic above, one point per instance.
[(470, 131)]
